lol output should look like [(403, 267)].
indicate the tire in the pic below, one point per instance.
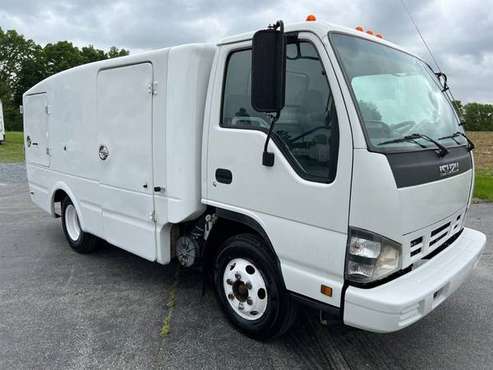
[(79, 240), (250, 290)]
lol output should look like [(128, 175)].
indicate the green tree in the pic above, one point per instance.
[(91, 54), (15, 51), (478, 117), (61, 56), (33, 70), (115, 52), (459, 108)]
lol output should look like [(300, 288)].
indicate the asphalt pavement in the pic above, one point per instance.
[(109, 309)]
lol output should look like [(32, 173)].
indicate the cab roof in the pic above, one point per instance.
[(320, 28)]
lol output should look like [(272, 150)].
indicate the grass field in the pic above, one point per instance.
[(483, 158), (483, 188), (12, 149), (483, 154)]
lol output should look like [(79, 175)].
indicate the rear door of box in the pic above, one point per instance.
[(36, 129)]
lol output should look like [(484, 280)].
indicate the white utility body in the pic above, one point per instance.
[(161, 154), (2, 124)]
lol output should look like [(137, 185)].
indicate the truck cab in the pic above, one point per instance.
[(310, 164), (357, 222)]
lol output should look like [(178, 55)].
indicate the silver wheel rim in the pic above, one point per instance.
[(72, 222), (245, 289)]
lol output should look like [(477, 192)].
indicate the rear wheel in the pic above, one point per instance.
[(250, 289), (79, 240)]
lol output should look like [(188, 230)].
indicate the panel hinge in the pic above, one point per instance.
[(152, 88), (153, 216), (47, 109), (48, 151)]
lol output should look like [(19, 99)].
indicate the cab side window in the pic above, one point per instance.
[(307, 129)]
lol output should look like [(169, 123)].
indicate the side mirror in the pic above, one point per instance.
[(269, 69)]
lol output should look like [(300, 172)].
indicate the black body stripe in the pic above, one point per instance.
[(421, 167)]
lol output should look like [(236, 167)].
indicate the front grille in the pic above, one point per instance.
[(439, 233), (440, 229), (416, 246), (424, 244)]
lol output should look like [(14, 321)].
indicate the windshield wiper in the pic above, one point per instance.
[(442, 150), (411, 138), (470, 144)]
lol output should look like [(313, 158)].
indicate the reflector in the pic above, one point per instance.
[(326, 290)]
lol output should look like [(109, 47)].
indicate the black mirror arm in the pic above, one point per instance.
[(279, 24), (267, 157), (441, 75)]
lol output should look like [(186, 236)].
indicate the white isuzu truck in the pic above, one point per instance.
[(306, 164)]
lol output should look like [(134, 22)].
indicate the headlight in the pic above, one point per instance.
[(370, 256)]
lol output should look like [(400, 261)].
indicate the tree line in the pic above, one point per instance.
[(23, 64), (475, 116)]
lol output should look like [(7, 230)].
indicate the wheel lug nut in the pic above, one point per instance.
[(229, 282), (231, 296), (249, 301), (248, 285), (238, 276), (240, 306)]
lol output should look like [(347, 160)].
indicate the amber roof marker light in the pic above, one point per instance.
[(311, 18), (369, 32)]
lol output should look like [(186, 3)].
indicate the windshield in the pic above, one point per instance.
[(396, 95)]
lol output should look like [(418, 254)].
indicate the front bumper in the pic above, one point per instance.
[(405, 300)]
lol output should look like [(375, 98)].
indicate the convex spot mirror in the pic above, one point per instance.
[(268, 70)]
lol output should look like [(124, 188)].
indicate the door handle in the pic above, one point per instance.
[(224, 176), (103, 152)]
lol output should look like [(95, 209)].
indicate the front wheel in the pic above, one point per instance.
[(250, 289), (79, 240)]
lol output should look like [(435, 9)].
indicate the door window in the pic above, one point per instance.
[(307, 129)]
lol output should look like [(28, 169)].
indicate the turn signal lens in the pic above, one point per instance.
[(379, 35), (326, 290), (360, 28), (311, 18), (370, 32)]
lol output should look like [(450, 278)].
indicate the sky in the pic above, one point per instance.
[(460, 32)]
